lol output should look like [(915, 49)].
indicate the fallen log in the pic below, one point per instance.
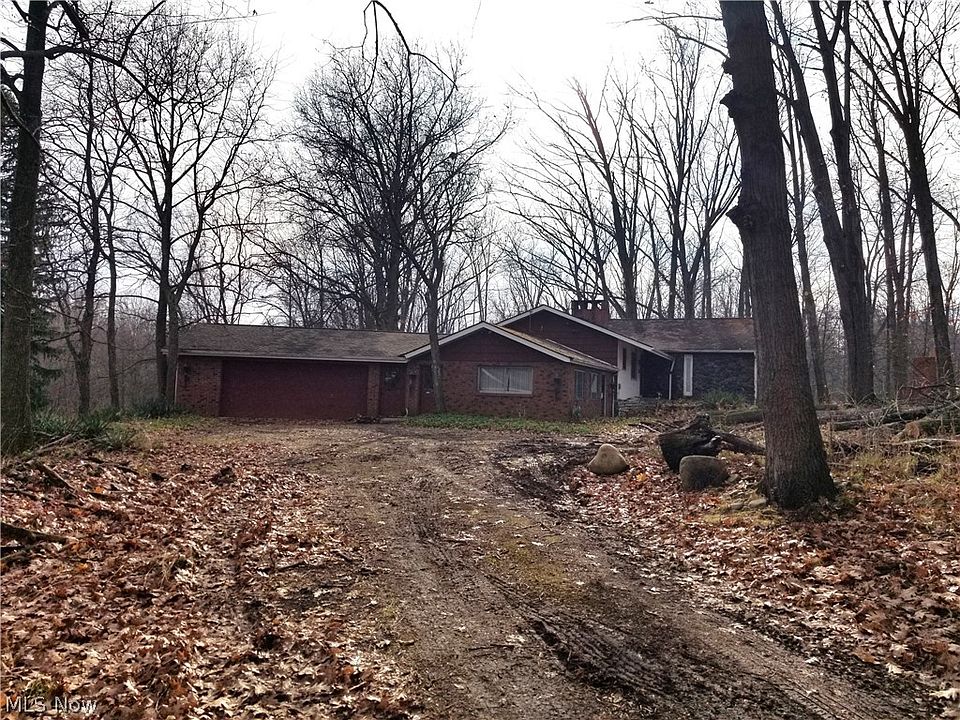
[(29, 537), (882, 417), (698, 438), (54, 478)]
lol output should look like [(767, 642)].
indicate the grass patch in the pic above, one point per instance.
[(513, 424), (102, 428)]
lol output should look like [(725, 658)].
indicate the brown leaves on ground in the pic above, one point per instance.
[(195, 585), (875, 575)]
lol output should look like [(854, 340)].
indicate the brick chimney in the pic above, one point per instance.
[(595, 311)]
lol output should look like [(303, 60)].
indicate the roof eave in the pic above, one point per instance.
[(261, 356)]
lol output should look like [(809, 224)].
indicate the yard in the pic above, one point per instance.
[(397, 571)]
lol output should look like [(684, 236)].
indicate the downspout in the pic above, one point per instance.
[(670, 384)]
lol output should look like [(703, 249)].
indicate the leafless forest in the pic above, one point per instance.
[(173, 188)]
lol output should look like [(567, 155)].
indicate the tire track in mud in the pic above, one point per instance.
[(470, 570)]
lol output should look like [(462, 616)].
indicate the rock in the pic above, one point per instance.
[(608, 461), (702, 471)]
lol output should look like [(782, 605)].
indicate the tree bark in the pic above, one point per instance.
[(15, 410), (796, 463), (843, 242), (809, 312)]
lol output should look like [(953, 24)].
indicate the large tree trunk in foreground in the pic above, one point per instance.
[(18, 301), (796, 468)]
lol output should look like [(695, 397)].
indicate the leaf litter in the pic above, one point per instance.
[(194, 584)]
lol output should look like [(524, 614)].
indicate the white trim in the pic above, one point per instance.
[(756, 385), (587, 323), (713, 352), (688, 375), (259, 356), (506, 333)]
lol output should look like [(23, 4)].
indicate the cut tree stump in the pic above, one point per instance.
[(698, 438)]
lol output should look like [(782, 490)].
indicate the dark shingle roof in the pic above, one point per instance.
[(576, 357), (297, 343), (700, 335), (554, 349)]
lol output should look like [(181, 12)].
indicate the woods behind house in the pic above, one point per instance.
[(172, 185)]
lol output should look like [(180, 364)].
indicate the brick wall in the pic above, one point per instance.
[(373, 390), (552, 397), (198, 384)]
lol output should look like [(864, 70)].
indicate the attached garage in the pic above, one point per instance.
[(258, 371), (293, 389)]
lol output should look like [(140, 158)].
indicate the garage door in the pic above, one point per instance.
[(293, 389)]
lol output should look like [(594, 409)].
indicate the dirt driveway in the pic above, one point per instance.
[(330, 571), (506, 601)]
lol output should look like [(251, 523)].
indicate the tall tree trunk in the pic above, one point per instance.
[(796, 463), (744, 300), (897, 348), (920, 184), (433, 330), (113, 371), (173, 348), (843, 243), (799, 179), (89, 308), (707, 304), (164, 289), (15, 410)]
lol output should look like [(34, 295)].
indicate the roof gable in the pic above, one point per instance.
[(586, 323), (545, 347)]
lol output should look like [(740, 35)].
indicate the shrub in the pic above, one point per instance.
[(723, 399), (156, 408)]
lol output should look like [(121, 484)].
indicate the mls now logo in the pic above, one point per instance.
[(60, 705)]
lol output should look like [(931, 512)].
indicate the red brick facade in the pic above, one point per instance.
[(553, 391), (198, 384), (201, 386)]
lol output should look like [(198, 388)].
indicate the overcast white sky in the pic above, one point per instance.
[(506, 42)]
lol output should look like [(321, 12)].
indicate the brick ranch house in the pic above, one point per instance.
[(543, 363)]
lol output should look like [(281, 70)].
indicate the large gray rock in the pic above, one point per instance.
[(702, 471), (608, 461)]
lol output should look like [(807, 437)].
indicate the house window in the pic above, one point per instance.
[(498, 380), (633, 364), (579, 384), (687, 375), (595, 385), (624, 362)]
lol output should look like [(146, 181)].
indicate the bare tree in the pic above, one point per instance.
[(195, 128), (584, 198), (897, 49), (841, 235), (796, 468), (396, 147), (693, 153), (27, 88)]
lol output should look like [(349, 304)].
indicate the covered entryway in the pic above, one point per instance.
[(295, 389)]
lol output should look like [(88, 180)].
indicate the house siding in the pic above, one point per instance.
[(722, 372), (198, 384), (567, 332)]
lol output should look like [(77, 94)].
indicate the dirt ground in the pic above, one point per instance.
[(454, 576)]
